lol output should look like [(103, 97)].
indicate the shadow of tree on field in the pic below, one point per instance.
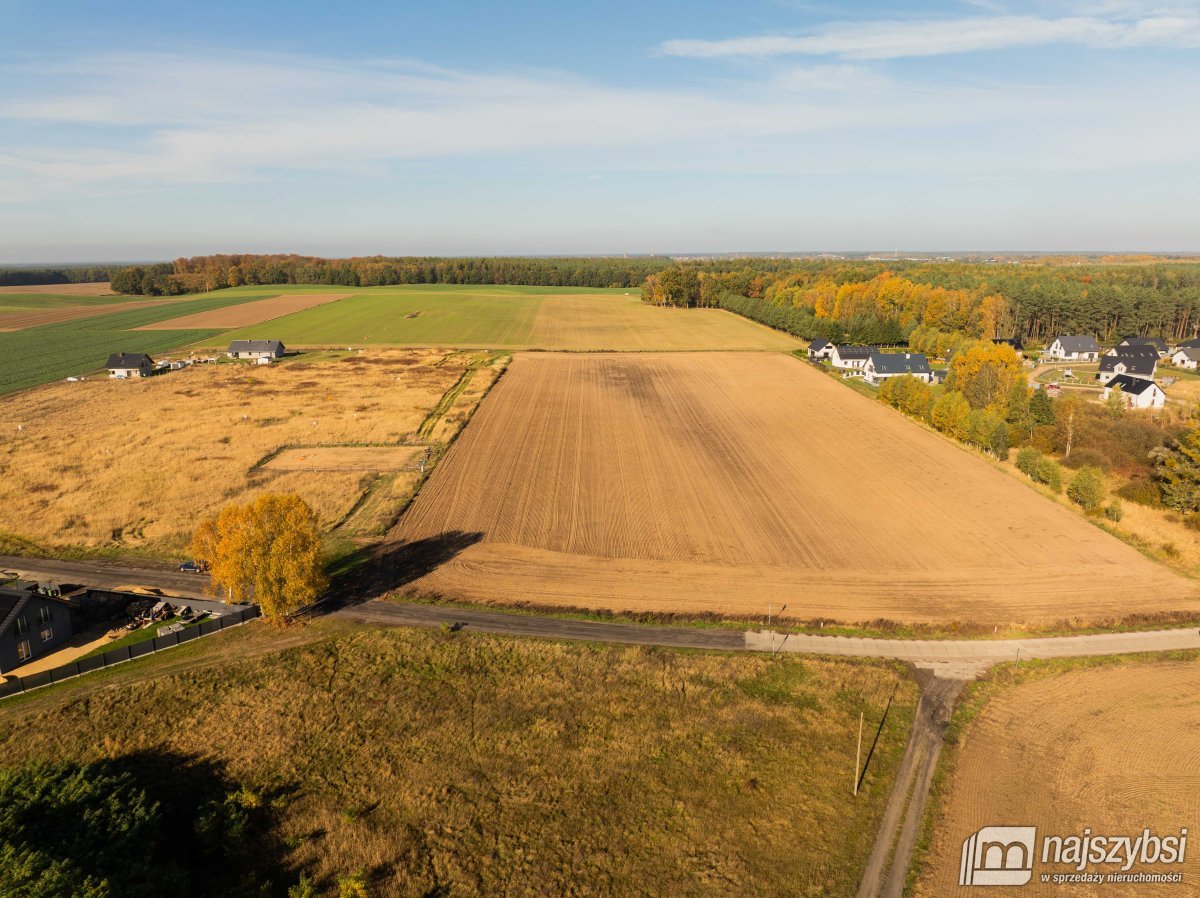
[(374, 571)]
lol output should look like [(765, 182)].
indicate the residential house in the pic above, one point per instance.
[(1138, 392), (1193, 343), (32, 622), (850, 358), (123, 365), (1073, 349), (1145, 351), (1158, 344), (820, 349), (883, 365), (256, 349), (1142, 365), (1186, 357)]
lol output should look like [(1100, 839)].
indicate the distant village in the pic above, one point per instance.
[(1132, 365)]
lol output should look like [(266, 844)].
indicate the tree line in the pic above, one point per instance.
[(66, 274), (203, 273), (1031, 301)]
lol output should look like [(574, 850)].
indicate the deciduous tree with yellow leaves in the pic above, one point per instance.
[(268, 551)]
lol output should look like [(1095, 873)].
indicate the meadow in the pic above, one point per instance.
[(514, 318), (437, 763), (109, 464)]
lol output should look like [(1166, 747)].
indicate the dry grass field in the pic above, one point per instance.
[(719, 483), (346, 458), (23, 318), (93, 288), (136, 463), (1113, 748), (460, 764), (248, 313)]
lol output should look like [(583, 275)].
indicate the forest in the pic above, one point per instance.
[(885, 302), (57, 274), (203, 273)]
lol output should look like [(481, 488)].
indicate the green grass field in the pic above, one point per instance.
[(434, 763)]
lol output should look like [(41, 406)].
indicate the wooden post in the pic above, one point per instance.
[(858, 754)]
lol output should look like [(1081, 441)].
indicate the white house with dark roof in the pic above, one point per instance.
[(1186, 357), (1158, 344), (1141, 364), (256, 349), (1138, 392), (883, 365), (124, 365), (1073, 349), (851, 359), (820, 349)]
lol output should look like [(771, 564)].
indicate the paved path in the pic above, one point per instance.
[(103, 575), (949, 658)]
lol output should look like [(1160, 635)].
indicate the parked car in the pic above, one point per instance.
[(193, 567)]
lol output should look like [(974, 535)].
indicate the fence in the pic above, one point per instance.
[(82, 666)]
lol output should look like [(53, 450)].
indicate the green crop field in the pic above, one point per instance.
[(38, 355), (566, 318)]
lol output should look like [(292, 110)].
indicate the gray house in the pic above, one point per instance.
[(123, 365), (882, 365), (33, 621), (256, 349), (1073, 349), (1136, 364), (1158, 344)]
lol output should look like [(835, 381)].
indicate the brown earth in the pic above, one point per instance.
[(1111, 748), (247, 313), (94, 288), (15, 321), (724, 482)]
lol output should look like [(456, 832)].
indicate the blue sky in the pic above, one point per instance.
[(159, 129)]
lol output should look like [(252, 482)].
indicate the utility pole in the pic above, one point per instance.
[(858, 754)]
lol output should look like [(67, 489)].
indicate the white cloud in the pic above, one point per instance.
[(899, 39)]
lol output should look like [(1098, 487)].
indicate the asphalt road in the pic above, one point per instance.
[(107, 576)]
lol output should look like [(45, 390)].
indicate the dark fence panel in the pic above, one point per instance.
[(18, 685)]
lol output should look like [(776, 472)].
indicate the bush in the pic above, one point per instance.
[(1087, 489), (1028, 460), (1087, 458), (1114, 511), (1142, 490), (1049, 473)]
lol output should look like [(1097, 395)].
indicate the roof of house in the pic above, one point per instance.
[(1134, 364), (899, 363), (1193, 343), (1190, 352), (1157, 342), (847, 351), (818, 344), (1134, 385), (1147, 352), (1078, 344), (255, 346), (128, 360)]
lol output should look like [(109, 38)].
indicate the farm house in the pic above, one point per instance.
[(124, 365), (256, 349), (1139, 392), (851, 358), (883, 365)]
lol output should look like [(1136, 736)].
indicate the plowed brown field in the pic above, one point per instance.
[(721, 482), (92, 288), (1113, 749), (15, 321), (247, 313)]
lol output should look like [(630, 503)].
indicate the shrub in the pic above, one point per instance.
[(1087, 489), (354, 886), (1114, 511), (1141, 490), (1050, 473), (1028, 460), (1087, 458)]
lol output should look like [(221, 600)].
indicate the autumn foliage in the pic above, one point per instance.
[(267, 551)]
